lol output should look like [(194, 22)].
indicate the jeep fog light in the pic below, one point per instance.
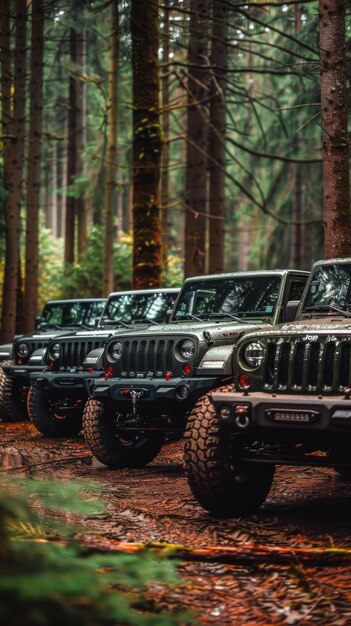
[(182, 392), (225, 411), (253, 354)]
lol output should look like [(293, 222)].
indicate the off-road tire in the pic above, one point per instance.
[(29, 395), (221, 487), (48, 422), (12, 406), (100, 434)]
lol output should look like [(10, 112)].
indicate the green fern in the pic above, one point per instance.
[(50, 582)]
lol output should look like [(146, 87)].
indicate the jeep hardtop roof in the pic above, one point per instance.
[(74, 300), (276, 272), (155, 290)]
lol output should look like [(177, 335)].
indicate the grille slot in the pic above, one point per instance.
[(269, 364), (284, 364), (73, 353), (345, 354), (303, 365)]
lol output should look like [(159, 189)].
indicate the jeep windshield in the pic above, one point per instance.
[(72, 313), (238, 297), (138, 308), (329, 291)]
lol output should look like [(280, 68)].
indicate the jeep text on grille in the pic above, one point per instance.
[(292, 404)]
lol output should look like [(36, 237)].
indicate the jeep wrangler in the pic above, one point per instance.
[(57, 313), (57, 318), (58, 395), (292, 403), (154, 377)]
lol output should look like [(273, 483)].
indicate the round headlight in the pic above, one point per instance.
[(187, 349), (115, 351), (253, 354), (23, 349), (55, 351)]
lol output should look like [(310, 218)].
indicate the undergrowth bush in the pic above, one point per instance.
[(47, 579)]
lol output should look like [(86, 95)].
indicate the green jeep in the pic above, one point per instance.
[(154, 377), (292, 404)]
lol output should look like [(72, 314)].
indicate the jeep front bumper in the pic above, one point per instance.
[(179, 390), (64, 382), (257, 412), (22, 372)]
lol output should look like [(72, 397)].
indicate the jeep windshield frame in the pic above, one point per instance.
[(136, 308), (329, 291), (234, 297)]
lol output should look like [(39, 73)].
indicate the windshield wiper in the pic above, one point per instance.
[(328, 307), (233, 317), (187, 316), (51, 325), (144, 320), (109, 322)]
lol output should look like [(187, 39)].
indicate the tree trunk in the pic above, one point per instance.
[(33, 171), (165, 150), (219, 59), (296, 230), (147, 145), (197, 141), (337, 215), (81, 138), (111, 167), (13, 123), (72, 157)]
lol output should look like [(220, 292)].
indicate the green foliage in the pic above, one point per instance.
[(47, 578), (84, 279)]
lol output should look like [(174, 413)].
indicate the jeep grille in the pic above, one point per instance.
[(143, 356), (299, 365), (73, 352)]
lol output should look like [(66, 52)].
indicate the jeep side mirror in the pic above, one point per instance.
[(291, 310), (38, 321)]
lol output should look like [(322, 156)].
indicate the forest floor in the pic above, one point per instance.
[(306, 508)]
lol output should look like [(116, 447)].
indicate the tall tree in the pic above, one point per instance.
[(147, 145), (81, 138), (34, 160), (336, 179), (197, 141), (111, 166), (165, 129), (13, 124), (72, 154), (219, 59)]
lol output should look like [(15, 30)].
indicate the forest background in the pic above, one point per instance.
[(147, 140)]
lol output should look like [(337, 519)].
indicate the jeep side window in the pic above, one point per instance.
[(296, 289)]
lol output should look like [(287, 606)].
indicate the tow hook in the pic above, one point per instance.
[(135, 395)]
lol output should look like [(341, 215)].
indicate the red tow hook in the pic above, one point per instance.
[(108, 372)]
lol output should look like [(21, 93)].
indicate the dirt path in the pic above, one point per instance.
[(306, 507)]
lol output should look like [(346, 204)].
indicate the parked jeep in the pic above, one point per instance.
[(58, 395), (58, 313), (154, 377), (57, 318), (292, 404)]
